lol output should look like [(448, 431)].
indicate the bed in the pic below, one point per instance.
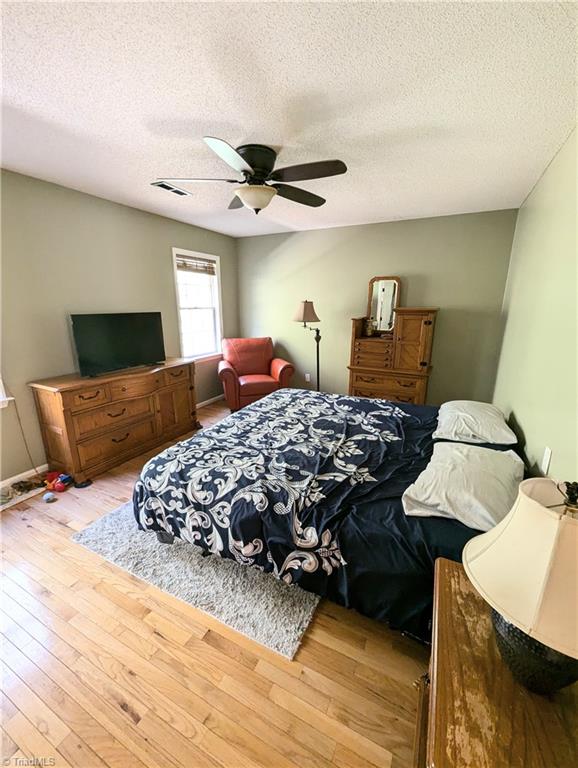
[(307, 486)]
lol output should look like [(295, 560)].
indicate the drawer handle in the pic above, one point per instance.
[(368, 379), (89, 397), (120, 439), (406, 384), (176, 375), (422, 681), (116, 415)]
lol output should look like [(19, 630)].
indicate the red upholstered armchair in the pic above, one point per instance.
[(249, 371)]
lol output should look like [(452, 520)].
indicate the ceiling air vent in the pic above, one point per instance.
[(170, 188)]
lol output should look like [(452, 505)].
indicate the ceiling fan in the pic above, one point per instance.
[(256, 162)]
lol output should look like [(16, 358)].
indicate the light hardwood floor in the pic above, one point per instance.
[(101, 669)]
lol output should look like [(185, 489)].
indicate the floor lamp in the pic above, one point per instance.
[(306, 314)]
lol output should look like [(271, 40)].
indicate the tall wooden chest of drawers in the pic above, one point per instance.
[(395, 365), (91, 425)]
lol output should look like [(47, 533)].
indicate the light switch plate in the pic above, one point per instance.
[(546, 459), (307, 377)]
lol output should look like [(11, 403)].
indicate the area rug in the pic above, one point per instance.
[(247, 600)]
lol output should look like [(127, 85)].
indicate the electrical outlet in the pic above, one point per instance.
[(308, 378), (546, 459)]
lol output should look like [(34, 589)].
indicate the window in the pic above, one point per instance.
[(198, 296)]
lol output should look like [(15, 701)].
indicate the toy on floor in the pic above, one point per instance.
[(51, 482), (50, 478), (57, 481)]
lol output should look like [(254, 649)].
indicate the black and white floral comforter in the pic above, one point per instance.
[(288, 484)]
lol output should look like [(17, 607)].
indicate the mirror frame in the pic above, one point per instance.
[(373, 280)]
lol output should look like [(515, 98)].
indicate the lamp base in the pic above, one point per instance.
[(534, 665)]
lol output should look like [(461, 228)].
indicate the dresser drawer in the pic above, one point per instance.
[(99, 449), (389, 386), (81, 399), (373, 353), (136, 387), (382, 394), (111, 415), (388, 383), (176, 375), (363, 360), (372, 345)]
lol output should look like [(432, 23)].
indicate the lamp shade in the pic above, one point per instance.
[(256, 196), (526, 567), (306, 313)]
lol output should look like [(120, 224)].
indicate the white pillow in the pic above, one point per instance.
[(466, 421), (477, 486)]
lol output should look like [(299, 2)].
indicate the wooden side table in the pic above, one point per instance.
[(472, 713)]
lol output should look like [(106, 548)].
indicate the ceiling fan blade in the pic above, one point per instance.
[(190, 181), (235, 203), (309, 171), (299, 195), (228, 153)]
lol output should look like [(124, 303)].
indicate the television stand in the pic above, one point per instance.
[(91, 425)]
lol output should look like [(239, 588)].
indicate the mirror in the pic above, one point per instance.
[(382, 300)]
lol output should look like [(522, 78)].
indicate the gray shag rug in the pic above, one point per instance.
[(251, 602)]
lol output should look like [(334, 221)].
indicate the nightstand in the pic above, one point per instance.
[(472, 714)]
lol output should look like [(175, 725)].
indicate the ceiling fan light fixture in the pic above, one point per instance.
[(256, 196)]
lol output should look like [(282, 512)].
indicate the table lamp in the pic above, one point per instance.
[(526, 568), (306, 314)]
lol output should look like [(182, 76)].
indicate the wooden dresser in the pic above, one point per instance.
[(91, 425), (472, 714), (393, 365)]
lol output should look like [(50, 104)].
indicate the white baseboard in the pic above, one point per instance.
[(23, 475), (210, 400)]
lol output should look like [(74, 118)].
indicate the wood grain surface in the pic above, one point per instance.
[(479, 716)]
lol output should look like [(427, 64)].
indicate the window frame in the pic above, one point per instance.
[(217, 355)]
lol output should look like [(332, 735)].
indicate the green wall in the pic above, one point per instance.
[(536, 383), (456, 263), (64, 251)]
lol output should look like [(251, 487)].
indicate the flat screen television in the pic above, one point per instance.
[(109, 342)]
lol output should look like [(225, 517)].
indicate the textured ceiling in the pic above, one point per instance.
[(437, 108)]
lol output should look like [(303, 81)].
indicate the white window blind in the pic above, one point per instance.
[(198, 296)]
